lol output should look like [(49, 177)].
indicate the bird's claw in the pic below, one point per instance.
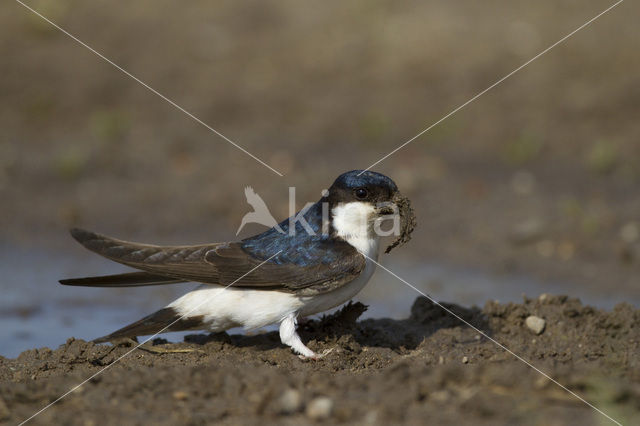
[(316, 356)]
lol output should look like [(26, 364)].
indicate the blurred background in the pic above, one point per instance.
[(532, 188)]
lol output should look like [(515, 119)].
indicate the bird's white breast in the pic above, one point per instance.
[(352, 222)]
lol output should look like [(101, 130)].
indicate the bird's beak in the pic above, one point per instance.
[(407, 219)]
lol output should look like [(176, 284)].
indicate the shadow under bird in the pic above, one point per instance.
[(273, 277)]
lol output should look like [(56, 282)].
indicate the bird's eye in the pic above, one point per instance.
[(361, 193)]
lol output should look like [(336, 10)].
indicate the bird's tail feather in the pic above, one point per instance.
[(131, 279), (155, 323)]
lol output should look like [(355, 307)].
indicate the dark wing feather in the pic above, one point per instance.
[(226, 263), (179, 262), (131, 279)]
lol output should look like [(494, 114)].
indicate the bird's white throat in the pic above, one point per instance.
[(354, 223)]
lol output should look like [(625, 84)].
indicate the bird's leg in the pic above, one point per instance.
[(289, 336)]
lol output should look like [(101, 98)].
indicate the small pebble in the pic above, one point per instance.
[(535, 324), (527, 232), (566, 250), (440, 396), (523, 183), (180, 395), (465, 360), (290, 401), (630, 232), (320, 408), (540, 382), (546, 248), (371, 418)]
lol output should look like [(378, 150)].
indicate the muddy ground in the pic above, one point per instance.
[(429, 368)]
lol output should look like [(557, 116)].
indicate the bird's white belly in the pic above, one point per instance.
[(222, 308)]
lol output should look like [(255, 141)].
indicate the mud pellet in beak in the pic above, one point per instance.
[(407, 222)]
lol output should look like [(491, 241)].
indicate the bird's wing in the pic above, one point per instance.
[(227, 263)]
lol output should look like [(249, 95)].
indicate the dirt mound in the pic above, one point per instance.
[(429, 367)]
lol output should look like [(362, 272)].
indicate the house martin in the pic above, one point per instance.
[(314, 261)]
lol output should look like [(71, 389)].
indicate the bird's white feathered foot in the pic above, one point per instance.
[(289, 336)]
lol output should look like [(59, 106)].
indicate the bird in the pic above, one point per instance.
[(260, 213), (326, 255)]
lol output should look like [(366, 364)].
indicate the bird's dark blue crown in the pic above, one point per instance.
[(358, 178)]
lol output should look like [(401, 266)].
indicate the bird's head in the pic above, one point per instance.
[(358, 200)]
